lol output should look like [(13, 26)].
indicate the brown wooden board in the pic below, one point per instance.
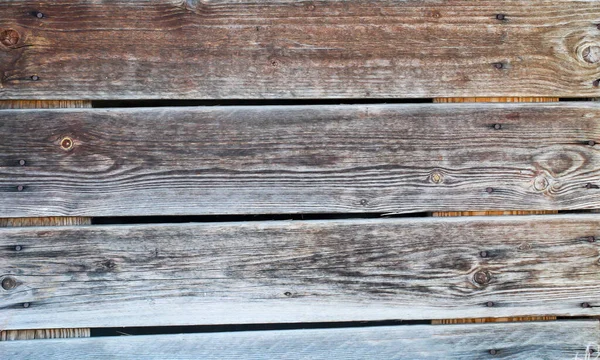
[(298, 49), (300, 271), (557, 340), (299, 159)]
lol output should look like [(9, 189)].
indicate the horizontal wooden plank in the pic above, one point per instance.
[(301, 271), (299, 159), (74, 49), (552, 340)]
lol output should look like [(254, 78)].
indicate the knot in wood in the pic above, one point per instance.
[(540, 183), (9, 283), (437, 177), (591, 54), (481, 277), (66, 143), (9, 37)]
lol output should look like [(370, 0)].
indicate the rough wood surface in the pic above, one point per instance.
[(11, 335), (300, 271), (44, 104), (558, 340), (299, 159), (288, 49)]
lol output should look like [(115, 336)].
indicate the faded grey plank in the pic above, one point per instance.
[(551, 340), (299, 159), (300, 271), (193, 49)]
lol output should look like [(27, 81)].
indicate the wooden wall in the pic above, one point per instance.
[(206, 167)]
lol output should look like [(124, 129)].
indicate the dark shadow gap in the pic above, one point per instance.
[(237, 218), (577, 99), (163, 330), (248, 102)]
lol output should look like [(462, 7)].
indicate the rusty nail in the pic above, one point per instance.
[(500, 17), (39, 15), (591, 143), (66, 143), (596, 83), (26, 305), (20, 188), (9, 283), (35, 78), (363, 202), (287, 293), (498, 65), (591, 239), (483, 254), (585, 305), (22, 162), (497, 126), (489, 304), (493, 352), (481, 278), (489, 190), (18, 248)]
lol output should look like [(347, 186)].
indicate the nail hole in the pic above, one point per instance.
[(287, 293), (586, 305)]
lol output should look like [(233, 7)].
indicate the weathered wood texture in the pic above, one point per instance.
[(301, 271), (299, 159), (43, 334), (558, 340), (288, 49), (44, 104)]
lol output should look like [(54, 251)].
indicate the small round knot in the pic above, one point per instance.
[(500, 17), (9, 283), (540, 183), (437, 177), (9, 37), (591, 54), (481, 277), (66, 143), (311, 7)]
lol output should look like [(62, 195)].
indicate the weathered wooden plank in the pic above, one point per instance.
[(558, 340), (300, 271), (288, 49), (299, 159), (11, 335)]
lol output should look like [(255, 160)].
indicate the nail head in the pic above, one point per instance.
[(287, 293), (20, 188), (591, 239), (483, 254), (22, 162), (498, 65), (493, 352), (500, 17), (66, 143), (497, 126), (596, 83), (39, 15), (585, 305), (489, 304), (26, 305), (35, 78), (591, 143), (489, 190), (18, 248)]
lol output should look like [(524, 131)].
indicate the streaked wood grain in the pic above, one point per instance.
[(300, 271), (287, 49), (299, 159)]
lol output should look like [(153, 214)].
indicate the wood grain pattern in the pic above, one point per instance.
[(299, 159), (559, 340), (300, 271), (12, 335), (73, 49)]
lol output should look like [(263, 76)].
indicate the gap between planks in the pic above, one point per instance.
[(494, 213), (44, 221)]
